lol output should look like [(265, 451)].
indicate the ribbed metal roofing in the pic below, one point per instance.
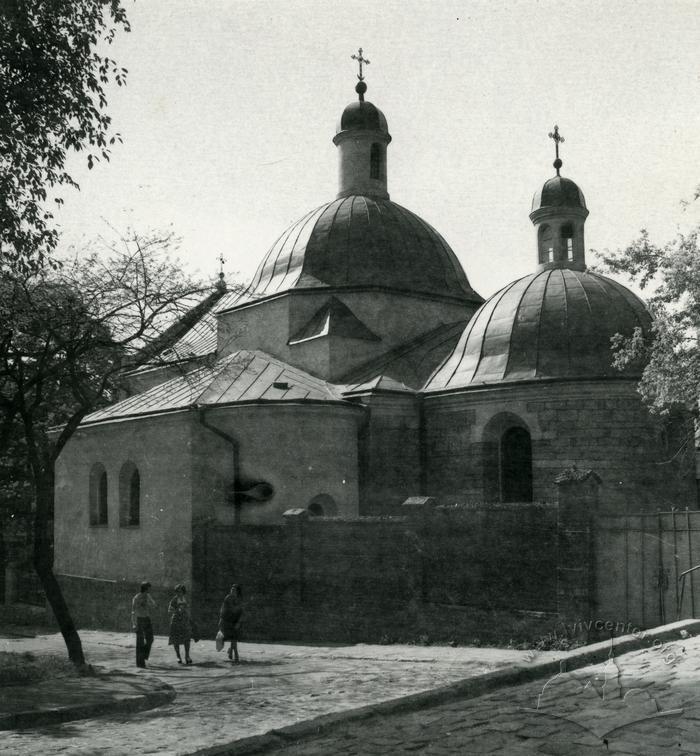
[(358, 241), (408, 366), (242, 376), (558, 192), (362, 115), (553, 324)]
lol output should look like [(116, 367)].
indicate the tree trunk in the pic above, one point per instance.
[(43, 564)]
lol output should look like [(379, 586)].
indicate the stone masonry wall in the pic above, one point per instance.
[(449, 574), (600, 425)]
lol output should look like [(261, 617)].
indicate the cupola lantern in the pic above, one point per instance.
[(362, 137), (559, 213)]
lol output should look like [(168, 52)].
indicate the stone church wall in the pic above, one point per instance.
[(597, 425), (395, 318), (159, 548), (390, 453), (303, 450)]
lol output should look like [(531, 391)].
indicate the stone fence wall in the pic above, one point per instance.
[(445, 573)]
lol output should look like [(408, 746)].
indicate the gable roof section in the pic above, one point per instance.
[(190, 336), (407, 367), (334, 318), (243, 376)]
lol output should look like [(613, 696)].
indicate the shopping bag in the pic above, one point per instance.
[(219, 641)]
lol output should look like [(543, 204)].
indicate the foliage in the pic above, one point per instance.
[(52, 85), (65, 333), (670, 273), (24, 668), (68, 330)]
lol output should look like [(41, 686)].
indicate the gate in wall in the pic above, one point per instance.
[(644, 564)]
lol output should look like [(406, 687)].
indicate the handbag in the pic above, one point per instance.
[(219, 641)]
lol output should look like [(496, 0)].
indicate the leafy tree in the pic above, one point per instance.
[(65, 333), (52, 86), (670, 273)]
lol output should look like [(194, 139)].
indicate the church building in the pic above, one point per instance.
[(357, 369)]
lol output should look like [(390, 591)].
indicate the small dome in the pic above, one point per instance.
[(558, 192), (556, 324), (359, 242), (362, 115)]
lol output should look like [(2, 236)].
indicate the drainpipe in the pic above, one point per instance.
[(234, 452)]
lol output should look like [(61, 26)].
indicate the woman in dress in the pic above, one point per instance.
[(180, 623), (229, 620)]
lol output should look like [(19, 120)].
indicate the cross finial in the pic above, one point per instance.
[(360, 60), (221, 283), (556, 136)]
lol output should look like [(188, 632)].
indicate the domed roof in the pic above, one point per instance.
[(552, 324), (558, 192), (362, 115), (358, 241)]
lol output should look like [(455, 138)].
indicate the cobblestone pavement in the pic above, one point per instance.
[(645, 703), (217, 702)]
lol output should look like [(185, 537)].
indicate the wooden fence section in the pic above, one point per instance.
[(640, 561)]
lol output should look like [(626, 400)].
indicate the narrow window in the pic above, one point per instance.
[(375, 162), (98, 495), (567, 235), (129, 495), (546, 246), (135, 498), (516, 465)]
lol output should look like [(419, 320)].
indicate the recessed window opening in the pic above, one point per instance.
[(375, 162), (567, 235), (516, 465), (129, 495), (322, 505), (545, 244), (98, 495)]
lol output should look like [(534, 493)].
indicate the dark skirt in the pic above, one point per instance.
[(180, 629), (229, 619)]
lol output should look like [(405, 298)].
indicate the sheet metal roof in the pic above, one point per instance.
[(243, 376), (552, 324), (409, 366), (358, 241)]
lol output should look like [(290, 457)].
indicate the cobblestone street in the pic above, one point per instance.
[(645, 703), (217, 702)]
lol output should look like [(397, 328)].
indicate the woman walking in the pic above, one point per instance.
[(180, 623), (229, 619)]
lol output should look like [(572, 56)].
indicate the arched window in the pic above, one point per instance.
[(375, 162), (567, 236), (546, 245), (98, 495), (516, 465), (129, 495), (322, 505)]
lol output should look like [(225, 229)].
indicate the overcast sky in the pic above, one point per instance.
[(231, 106)]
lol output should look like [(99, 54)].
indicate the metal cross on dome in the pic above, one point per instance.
[(360, 60), (557, 139)]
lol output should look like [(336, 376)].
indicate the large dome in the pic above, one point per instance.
[(359, 242), (553, 324)]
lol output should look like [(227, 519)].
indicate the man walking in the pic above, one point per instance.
[(141, 622)]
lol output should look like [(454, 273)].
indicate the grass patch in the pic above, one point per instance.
[(18, 669)]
